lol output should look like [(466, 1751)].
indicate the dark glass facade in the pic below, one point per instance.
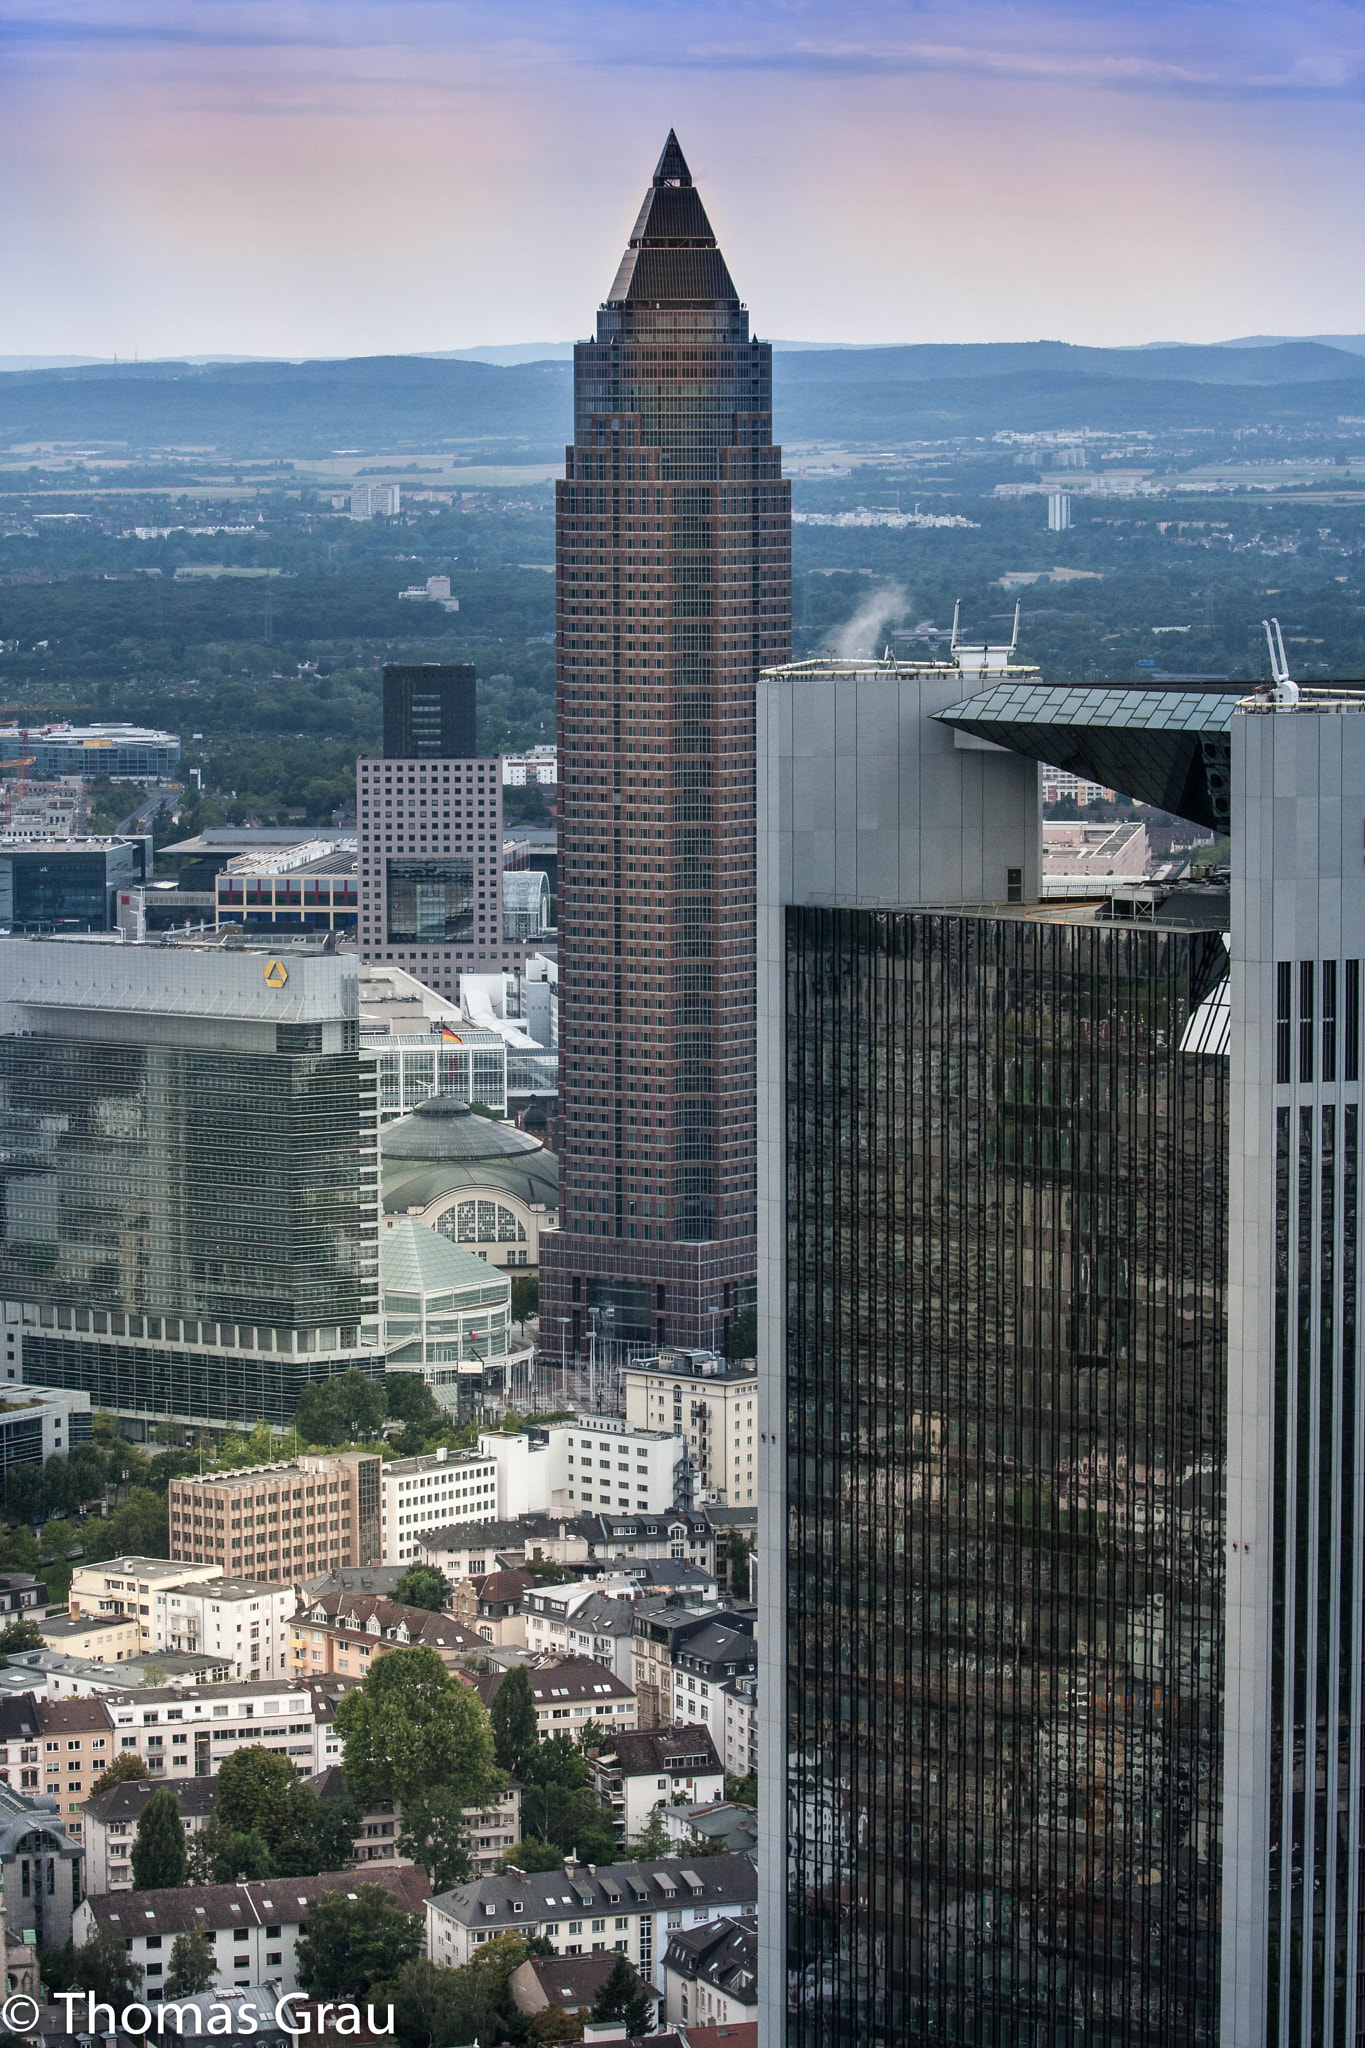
[(1005, 1369), (430, 900), (429, 711), (1315, 1790), (66, 888)]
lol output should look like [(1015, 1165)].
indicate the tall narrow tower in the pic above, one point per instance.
[(674, 589)]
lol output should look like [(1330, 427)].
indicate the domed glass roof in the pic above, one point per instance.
[(445, 1127)]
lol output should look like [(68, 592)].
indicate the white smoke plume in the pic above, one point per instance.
[(865, 633)]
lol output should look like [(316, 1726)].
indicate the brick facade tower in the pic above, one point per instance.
[(674, 589)]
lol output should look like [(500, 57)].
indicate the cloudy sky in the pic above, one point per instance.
[(338, 177)]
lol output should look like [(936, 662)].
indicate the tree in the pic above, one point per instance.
[(340, 1409), (742, 1340), (19, 1551), (259, 1792), (525, 1298), (530, 1853), (653, 1841), (423, 1586), (623, 1997), (736, 1556), (434, 2006), (119, 1769), (218, 1856), (25, 1492), (412, 1727), (411, 1400), (513, 1715), (23, 1633), (160, 1861), (436, 1835), (354, 1943), (744, 1791), (556, 1761), (335, 1824), (103, 1965), (570, 1818), (194, 1967), (552, 2024)]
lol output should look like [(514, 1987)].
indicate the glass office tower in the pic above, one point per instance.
[(188, 1177), (1006, 1250)]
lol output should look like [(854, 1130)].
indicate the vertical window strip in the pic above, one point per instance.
[(1348, 1581), (1302, 1612), (1307, 979), (1351, 1051), (1284, 998), (1329, 1020), (1323, 1812)]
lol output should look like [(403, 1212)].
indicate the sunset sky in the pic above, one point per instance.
[(366, 176)]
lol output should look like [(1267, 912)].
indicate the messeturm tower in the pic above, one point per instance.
[(674, 589)]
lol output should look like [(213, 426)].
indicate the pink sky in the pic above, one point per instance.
[(391, 175)]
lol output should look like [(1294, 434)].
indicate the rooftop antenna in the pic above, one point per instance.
[(957, 614), (1014, 636), (1286, 692)]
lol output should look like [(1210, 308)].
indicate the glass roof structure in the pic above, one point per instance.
[(1167, 747)]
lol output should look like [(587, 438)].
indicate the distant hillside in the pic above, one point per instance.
[(279, 409), (522, 412)]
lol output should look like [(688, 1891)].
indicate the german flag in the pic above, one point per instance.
[(449, 1037)]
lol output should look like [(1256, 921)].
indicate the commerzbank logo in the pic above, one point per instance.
[(276, 974)]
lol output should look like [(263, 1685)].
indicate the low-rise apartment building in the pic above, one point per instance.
[(443, 1487), (662, 1633), (37, 1423), (95, 1638), (634, 1773), (711, 1975), (711, 1403), (492, 1606), (595, 1543), (128, 1586), (78, 1742), (110, 1823), (283, 1522), (739, 1747), (590, 1460), (569, 1696), (628, 1909), (253, 1928), (182, 1732), (559, 1620), (345, 1633), (243, 1623), (706, 1662)]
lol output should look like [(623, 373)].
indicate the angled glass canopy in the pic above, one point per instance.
[(1170, 748)]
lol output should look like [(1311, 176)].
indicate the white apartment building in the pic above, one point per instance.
[(129, 1585), (184, 1733), (595, 1619), (630, 1909), (594, 1462), (536, 764), (245, 1622), (433, 1491), (709, 1402), (738, 1738)]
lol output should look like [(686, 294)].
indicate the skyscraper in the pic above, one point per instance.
[(1062, 1389), (995, 1245), (429, 834), (189, 1182), (674, 589)]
